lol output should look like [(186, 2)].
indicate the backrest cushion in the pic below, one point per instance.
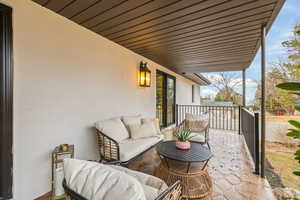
[(196, 122), (96, 181), (132, 120), (155, 122), (197, 117), (113, 128), (142, 131)]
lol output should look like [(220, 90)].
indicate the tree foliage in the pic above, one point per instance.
[(226, 83), (229, 95), (294, 86), (278, 99)]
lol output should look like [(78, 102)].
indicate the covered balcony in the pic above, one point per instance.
[(231, 168), (67, 64)]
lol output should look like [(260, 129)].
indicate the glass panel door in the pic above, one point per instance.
[(165, 98), (160, 98), (170, 100)]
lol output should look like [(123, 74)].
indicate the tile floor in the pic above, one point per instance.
[(230, 169)]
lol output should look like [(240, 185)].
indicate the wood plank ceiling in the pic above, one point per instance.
[(187, 36)]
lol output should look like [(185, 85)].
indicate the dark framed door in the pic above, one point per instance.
[(165, 98), (6, 103)]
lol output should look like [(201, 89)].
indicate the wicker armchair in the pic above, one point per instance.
[(171, 193), (197, 127)]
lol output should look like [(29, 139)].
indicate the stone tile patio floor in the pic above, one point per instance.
[(230, 168)]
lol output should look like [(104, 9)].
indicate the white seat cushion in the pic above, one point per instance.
[(197, 137), (131, 147), (113, 128), (96, 181)]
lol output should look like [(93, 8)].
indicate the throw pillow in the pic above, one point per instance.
[(155, 122), (142, 131), (131, 120), (114, 128)]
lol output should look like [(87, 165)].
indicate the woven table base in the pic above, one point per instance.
[(195, 185)]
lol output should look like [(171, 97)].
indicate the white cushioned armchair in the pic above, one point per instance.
[(85, 180), (198, 124), (117, 144)]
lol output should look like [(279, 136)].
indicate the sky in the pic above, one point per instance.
[(280, 31)]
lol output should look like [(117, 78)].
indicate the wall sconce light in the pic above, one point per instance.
[(145, 75)]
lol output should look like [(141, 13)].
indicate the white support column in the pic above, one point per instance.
[(263, 100)]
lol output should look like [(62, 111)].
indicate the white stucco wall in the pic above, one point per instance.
[(66, 78)]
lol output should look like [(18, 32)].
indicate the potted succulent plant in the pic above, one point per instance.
[(183, 136)]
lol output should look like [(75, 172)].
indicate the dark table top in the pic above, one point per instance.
[(197, 152)]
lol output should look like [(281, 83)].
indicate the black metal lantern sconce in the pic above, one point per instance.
[(145, 75)]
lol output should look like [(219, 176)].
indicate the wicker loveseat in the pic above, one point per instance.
[(90, 180), (115, 143)]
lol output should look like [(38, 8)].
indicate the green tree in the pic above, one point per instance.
[(229, 95), (282, 71), (276, 99), (294, 86), (226, 83)]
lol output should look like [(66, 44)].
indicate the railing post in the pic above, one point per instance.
[(256, 132), (240, 120), (176, 114)]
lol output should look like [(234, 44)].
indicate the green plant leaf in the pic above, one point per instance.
[(297, 67), (291, 86), (294, 123), (297, 173), (297, 153), (297, 108), (182, 134), (293, 134), (297, 131)]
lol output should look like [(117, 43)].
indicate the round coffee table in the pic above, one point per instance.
[(195, 184)]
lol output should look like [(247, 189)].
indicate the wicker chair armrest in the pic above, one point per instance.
[(206, 131), (171, 193), (73, 195), (181, 125), (108, 148), (116, 162), (100, 132)]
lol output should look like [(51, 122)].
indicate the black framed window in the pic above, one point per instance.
[(6, 103), (165, 98)]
